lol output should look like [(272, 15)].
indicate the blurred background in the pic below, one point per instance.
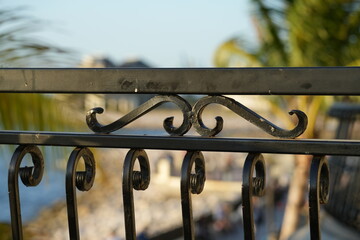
[(248, 33), (162, 33)]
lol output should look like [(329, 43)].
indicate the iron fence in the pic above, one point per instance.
[(168, 84)]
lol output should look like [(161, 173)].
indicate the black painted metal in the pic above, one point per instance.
[(298, 146), (191, 183), (194, 117), (248, 115), (257, 81), (318, 192), (347, 113), (82, 180), (252, 186), (168, 83), (30, 176), (151, 104), (138, 180), (344, 196)]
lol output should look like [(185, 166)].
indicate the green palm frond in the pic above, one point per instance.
[(231, 54), (355, 63), (36, 112), (271, 33), (298, 33), (19, 49)]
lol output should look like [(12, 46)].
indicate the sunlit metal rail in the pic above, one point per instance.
[(167, 84)]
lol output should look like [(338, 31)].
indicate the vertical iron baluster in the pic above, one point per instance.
[(138, 180), (194, 183), (252, 186), (82, 180), (318, 192), (30, 176)]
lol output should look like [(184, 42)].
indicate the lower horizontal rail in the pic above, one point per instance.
[(298, 146)]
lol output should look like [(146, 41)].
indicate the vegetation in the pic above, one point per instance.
[(5, 231), (19, 49), (297, 33)]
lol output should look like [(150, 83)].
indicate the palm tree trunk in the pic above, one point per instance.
[(296, 196), (299, 181)]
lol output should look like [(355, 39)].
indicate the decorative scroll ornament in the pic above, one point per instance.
[(194, 117), (193, 183), (252, 186), (82, 180), (318, 192), (245, 113), (138, 180), (30, 176), (146, 107)]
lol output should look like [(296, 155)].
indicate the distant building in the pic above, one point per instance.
[(113, 102), (127, 102), (96, 62), (134, 63)]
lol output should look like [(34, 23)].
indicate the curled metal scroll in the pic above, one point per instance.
[(318, 192), (193, 183), (245, 113), (30, 176), (138, 180), (82, 180), (146, 107), (252, 186)]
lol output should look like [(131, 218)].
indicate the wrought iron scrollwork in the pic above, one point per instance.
[(193, 116), (82, 180), (30, 176), (252, 186), (138, 180), (245, 113), (193, 183), (318, 192), (154, 102)]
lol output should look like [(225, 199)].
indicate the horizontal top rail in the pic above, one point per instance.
[(259, 81), (299, 146)]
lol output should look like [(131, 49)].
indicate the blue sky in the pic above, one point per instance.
[(163, 32)]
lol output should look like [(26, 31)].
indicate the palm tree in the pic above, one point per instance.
[(19, 49), (298, 33)]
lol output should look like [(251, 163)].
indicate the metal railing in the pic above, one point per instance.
[(167, 84)]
